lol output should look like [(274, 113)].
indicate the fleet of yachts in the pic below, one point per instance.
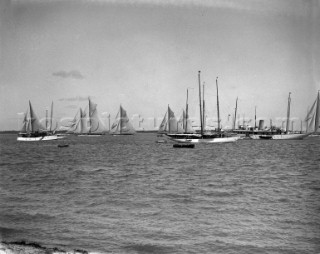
[(87, 123)]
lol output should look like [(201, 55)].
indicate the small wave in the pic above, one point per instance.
[(148, 248), (20, 216), (4, 231)]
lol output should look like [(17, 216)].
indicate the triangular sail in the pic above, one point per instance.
[(163, 125), (79, 125), (25, 124), (35, 123), (122, 124), (181, 123), (311, 123), (313, 116), (317, 115), (173, 123), (95, 124), (115, 128), (85, 128), (170, 124), (50, 127), (125, 124)]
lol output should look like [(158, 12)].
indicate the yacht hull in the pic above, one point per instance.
[(42, 138), (206, 140), (281, 136)]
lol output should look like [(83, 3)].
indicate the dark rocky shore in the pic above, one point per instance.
[(32, 248)]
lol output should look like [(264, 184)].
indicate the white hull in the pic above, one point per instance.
[(45, 138), (282, 136), (207, 140)]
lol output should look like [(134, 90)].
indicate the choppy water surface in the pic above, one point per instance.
[(133, 195)]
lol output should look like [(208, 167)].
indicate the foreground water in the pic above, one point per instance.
[(132, 195)]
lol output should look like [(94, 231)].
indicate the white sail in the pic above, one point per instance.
[(181, 123), (172, 122), (169, 123), (75, 124), (163, 125), (95, 123), (35, 123), (122, 125), (87, 121), (25, 124), (313, 116)]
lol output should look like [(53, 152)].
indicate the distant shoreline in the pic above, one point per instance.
[(9, 132), (139, 131)]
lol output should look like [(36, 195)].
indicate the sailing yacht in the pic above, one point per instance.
[(122, 125), (87, 123), (287, 135), (32, 129), (170, 124), (218, 137)]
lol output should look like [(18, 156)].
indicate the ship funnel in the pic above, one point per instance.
[(261, 124)]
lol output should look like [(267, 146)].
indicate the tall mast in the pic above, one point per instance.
[(255, 117), (31, 116), (288, 113), (186, 126), (51, 115), (203, 107), (235, 114), (46, 119), (201, 124), (168, 119), (218, 105)]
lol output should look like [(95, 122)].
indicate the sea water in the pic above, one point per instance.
[(129, 194)]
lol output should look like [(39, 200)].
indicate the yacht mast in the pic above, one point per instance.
[(288, 114), (186, 125), (201, 124), (218, 105), (51, 115), (203, 109), (235, 114)]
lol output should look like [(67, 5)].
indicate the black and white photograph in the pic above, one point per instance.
[(160, 126)]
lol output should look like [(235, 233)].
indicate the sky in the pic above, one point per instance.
[(145, 54)]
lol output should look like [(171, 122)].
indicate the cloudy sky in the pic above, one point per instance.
[(144, 54)]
